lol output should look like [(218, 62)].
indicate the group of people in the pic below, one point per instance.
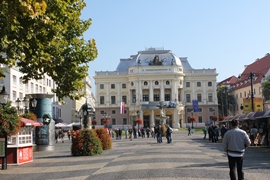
[(134, 133)]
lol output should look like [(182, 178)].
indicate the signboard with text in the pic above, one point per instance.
[(25, 154)]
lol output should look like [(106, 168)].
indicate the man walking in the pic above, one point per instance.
[(235, 142)]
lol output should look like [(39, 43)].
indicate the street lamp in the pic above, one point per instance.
[(18, 102), (3, 102), (26, 104), (250, 76), (34, 103)]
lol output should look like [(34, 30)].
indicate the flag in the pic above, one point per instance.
[(122, 108)]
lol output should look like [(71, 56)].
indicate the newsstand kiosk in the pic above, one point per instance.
[(20, 146)]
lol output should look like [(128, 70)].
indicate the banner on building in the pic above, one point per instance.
[(122, 108), (195, 105)]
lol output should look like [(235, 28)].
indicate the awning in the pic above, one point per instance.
[(259, 114), (249, 116), (29, 122)]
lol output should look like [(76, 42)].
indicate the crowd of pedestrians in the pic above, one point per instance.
[(142, 132)]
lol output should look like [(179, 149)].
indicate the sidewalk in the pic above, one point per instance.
[(188, 157)]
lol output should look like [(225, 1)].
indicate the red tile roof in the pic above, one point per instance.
[(260, 67)]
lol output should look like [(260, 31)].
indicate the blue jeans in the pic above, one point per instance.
[(233, 161)]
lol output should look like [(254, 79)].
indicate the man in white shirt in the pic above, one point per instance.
[(235, 142)]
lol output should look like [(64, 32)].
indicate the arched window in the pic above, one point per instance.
[(167, 82), (132, 83), (156, 83), (145, 83)]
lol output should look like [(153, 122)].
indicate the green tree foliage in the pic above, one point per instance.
[(266, 89), (42, 36), (85, 143), (226, 101)]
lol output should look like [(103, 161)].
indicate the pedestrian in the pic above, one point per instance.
[(147, 132), (216, 133), (143, 132), (56, 136), (204, 132), (130, 133), (189, 129), (61, 135), (134, 132), (223, 130), (69, 133), (159, 135), (126, 132), (169, 134), (235, 142), (253, 134)]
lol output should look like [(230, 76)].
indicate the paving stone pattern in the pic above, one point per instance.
[(187, 158)]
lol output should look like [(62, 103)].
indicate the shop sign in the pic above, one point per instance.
[(2, 147), (25, 154)]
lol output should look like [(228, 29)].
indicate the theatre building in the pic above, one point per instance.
[(158, 87)]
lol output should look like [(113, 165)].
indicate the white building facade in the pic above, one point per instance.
[(17, 89), (151, 79)]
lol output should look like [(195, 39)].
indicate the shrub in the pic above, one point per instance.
[(85, 143), (10, 122), (105, 138), (30, 115)]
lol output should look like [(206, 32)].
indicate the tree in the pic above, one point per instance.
[(226, 101), (47, 37), (266, 89)]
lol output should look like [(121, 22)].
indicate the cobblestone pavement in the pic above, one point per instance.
[(187, 158)]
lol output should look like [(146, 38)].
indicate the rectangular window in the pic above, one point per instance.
[(199, 84), (134, 99), (21, 95), (101, 99), (112, 86), (199, 109), (124, 99), (124, 121), (102, 112), (113, 121), (21, 83), (112, 99), (187, 84), (26, 87), (245, 94), (188, 98), (199, 97), (200, 119), (210, 97), (32, 87), (124, 86), (36, 88), (145, 98), (113, 111), (101, 86), (156, 97), (14, 94), (240, 95), (209, 84), (167, 97), (14, 79)]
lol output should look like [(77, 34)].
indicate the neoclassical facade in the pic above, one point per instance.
[(158, 87)]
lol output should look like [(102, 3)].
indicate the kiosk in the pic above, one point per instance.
[(20, 146)]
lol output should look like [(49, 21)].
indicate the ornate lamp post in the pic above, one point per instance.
[(26, 104), (3, 102), (18, 102)]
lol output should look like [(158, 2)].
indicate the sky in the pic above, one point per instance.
[(225, 35)]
